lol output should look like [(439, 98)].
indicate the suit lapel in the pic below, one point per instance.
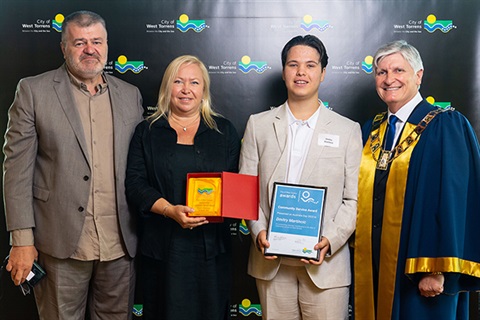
[(315, 149), (116, 103), (67, 102), (280, 126)]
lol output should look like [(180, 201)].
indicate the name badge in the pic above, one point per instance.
[(328, 140)]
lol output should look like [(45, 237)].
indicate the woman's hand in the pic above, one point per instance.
[(179, 214)]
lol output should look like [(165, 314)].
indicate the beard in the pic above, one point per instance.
[(86, 67)]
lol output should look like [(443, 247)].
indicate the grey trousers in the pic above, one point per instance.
[(105, 290)]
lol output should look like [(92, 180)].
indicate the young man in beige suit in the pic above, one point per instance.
[(303, 142), (65, 152)]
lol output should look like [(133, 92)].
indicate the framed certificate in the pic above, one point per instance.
[(296, 220)]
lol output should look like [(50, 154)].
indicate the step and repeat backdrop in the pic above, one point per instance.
[(240, 43)]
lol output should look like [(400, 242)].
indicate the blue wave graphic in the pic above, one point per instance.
[(309, 200), (249, 311), (438, 26), (244, 229), (315, 25), (188, 26), (57, 26), (207, 191), (129, 66), (250, 67), (138, 310), (367, 68)]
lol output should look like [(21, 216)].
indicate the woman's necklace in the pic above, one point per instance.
[(184, 127)]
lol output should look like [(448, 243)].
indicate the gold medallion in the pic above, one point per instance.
[(383, 161), (387, 156)]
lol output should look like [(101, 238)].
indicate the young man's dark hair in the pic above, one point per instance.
[(310, 41)]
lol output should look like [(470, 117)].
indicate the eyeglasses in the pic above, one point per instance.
[(25, 288)]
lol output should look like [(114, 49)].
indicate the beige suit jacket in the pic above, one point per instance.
[(264, 153), (47, 173)]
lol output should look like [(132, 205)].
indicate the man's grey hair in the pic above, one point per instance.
[(409, 53), (83, 19)]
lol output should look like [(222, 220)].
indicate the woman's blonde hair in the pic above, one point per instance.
[(164, 96)]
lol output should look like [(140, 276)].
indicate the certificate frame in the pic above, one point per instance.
[(296, 220)]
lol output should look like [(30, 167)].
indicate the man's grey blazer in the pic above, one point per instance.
[(333, 161), (46, 170)]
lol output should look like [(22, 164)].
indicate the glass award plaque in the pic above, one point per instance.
[(205, 196)]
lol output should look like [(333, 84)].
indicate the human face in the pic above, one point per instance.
[(396, 81), (187, 90), (85, 51), (303, 73)]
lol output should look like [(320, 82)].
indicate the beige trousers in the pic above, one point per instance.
[(292, 295)]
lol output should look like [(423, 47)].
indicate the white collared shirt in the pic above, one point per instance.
[(299, 137), (403, 114)]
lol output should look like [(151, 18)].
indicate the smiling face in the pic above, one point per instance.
[(187, 90), (396, 81), (85, 50), (303, 73)]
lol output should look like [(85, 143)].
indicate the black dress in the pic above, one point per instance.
[(185, 274)]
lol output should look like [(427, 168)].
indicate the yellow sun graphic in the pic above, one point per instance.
[(368, 60), (59, 18), (246, 303), (430, 100), (246, 60), (307, 19), (184, 18), (122, 59), (431, 18)]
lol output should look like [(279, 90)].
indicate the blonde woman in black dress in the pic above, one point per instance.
[(185, 263)]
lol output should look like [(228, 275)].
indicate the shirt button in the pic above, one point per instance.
[(80, 209), (85, 178)]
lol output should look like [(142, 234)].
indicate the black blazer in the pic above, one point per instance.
[(150, 163)]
